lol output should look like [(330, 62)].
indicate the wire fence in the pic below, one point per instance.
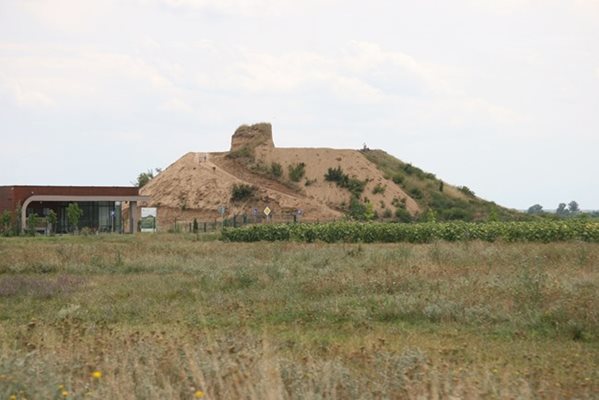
[(217, 224)]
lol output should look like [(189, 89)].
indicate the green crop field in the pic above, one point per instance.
[(352, 232), (172, 316)]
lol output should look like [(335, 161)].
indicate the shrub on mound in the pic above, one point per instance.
[(242, 191)]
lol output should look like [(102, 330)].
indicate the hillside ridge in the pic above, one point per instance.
[(320, 184)]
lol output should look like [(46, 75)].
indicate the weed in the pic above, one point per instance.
[(297, 171), (295, 320)]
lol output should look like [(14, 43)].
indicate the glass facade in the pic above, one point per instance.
[(100, 216)]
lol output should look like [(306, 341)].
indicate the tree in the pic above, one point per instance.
[(51, 218), (493, 217), (32, 220), (431, 216), (573, 207), (535, 209), (561, 209), (356, 208), (144, 177), (74, 213), (5, 219)]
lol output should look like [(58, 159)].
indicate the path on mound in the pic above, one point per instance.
[(240, 172)]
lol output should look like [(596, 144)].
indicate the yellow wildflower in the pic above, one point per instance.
[(65, 393), (13, 397), (198, 394), (97, 374)]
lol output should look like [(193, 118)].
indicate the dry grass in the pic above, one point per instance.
[(163, 316)]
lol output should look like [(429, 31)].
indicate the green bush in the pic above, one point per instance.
[(416, 193), (242, 191), (399, 203), (403, 215), (243, 152), (310, 182), (297, 171), (74, 213), (466, 191), (32, 221), (450, 209), (398, 179), (51, 218), (412, 170), (144, 177), (361, 211), (276, 170), (335, 175), (543, 231), (5, 223), (455, 213), (354, 185), (379, 189)]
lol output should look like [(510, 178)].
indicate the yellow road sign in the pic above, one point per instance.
[(267, 211)]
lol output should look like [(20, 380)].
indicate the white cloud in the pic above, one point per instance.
[(356, 91), (46, 75), (360, 73), (124, 137), (68, 15), (263, 72), (464, 111), (368, 58), (503, 7), (24, 97), (253, 8), (177, 105), (597, 72), (587, 6), (348, 73)]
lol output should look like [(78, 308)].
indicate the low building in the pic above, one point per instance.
[(102, 206)]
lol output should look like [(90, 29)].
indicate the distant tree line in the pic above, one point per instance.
[(563, 210)]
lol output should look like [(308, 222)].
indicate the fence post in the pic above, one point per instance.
[(204, 227)]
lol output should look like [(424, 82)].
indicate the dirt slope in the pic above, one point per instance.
[(197, 184), (319, 160)]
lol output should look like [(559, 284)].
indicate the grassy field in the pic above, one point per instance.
[(179, 316)]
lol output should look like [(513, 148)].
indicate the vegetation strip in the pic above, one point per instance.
[(351, 232), (165, 316)]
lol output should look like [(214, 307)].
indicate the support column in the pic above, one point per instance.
[(24, 217), (132, 216)]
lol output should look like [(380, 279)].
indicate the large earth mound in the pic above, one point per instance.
[(255, 175)]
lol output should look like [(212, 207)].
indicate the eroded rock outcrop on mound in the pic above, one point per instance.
[(247, 138)]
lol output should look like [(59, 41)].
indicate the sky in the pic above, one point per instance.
[(499, 96)]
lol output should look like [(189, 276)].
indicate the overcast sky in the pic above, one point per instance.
[(500, 96)]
